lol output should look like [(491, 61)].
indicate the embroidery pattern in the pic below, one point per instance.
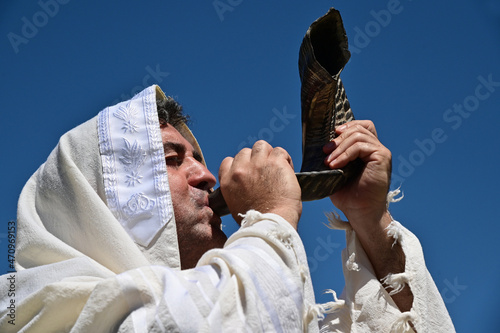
[(142, 204), (132, 158), (127, 114), (138, 207), (108, 165), (158, 158)]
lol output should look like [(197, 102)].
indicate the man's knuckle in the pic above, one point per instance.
[(358, 136), (280, 151), (260, 143), (239, 173), (246, 150), (347, 154), (370, 123)]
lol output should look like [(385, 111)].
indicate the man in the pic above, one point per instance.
[(103, 233), (115, 234)]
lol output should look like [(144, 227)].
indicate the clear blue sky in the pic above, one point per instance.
[(419, 69)]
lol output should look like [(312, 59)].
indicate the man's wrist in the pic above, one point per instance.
[(371, 227), (378, 245), (292, 216)]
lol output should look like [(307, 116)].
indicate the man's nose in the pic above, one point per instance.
[(199, 176)]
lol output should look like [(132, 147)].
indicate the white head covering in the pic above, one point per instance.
[(102, 189), (97, 238)]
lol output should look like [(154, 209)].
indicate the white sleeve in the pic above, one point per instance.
[(259, 282), (366, 306)]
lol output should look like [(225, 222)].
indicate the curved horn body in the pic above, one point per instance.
[(323, 54)]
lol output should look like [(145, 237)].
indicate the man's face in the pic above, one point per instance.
[(198, 228)]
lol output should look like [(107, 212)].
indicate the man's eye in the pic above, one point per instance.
[(173, 160)]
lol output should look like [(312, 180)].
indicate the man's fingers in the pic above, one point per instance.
[(348, 139), (261, 178), (354, 127), (279, 152), (225, 166), (366, 124), (243, 156), (361, 150), (260, 150), (356, 139)]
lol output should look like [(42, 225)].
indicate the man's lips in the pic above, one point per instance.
[(200, 197)]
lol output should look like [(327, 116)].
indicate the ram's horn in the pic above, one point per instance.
[(323, 55)]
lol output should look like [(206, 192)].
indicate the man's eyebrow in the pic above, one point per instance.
[(180, 149), (174, 146)]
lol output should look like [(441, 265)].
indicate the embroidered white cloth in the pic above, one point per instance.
[(97, 245), (97, 252)]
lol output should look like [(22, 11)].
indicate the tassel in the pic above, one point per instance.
[(311, 312), (283, 236), (331, 307), (250, 218), (391, 196), (319, 310), (402, 324), (336, 222), (395, 281), (315, 311), (351, 263), (395, 231)]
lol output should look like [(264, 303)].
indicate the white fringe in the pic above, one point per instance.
[(336, 223), (331, 307), (391, 196), (312, 311), (319, 310), (395, 281), (283, 236), (351, 264), (250, 218), (395, 230), (402, 324)]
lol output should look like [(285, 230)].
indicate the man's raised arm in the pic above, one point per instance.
[(379, 247)]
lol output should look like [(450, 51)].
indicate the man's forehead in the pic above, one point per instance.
[(173, 140)]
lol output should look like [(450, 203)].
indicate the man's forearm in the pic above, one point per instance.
[(385, 257)]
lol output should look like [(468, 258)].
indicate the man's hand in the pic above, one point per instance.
[(362, 200), (261, 178)]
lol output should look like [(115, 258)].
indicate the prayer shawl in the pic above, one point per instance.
[(97, 252), (97, 245)]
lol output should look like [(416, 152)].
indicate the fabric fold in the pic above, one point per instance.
[(369, 306)]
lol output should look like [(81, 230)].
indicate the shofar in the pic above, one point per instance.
[(323, 55)]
